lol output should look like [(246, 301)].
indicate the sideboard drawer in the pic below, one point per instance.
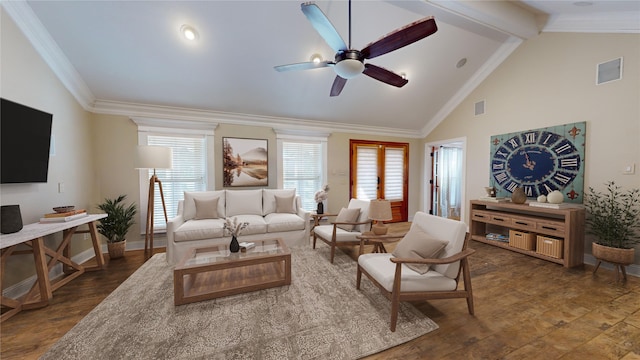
[(523, 223), (550, 227), (501, 220)]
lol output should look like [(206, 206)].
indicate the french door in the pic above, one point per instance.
[(379, 170)]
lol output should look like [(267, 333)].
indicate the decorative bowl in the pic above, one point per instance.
[(63, 209)]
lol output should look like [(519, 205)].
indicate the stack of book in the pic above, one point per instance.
[(498, 237), (494, 199), (63, 217), (244, 246)]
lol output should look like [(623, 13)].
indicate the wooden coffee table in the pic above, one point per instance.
[(211, 272)]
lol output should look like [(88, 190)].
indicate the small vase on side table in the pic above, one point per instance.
[(320, 209)]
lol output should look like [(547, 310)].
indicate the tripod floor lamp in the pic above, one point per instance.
[(153, 157)]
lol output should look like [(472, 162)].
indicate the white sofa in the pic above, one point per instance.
[(271, 213)]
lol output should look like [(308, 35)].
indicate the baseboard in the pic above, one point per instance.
[(633, 269), (17, 290)]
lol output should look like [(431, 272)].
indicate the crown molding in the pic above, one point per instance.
[(485, 70), (134, 110), (608, 22), (45, 45)]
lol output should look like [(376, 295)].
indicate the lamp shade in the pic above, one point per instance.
[(153, 157), (380, 210)]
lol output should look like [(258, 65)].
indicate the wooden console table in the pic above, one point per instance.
[(33, 235), (566, 224)]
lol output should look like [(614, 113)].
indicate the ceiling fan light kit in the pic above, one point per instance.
[(349, 63)]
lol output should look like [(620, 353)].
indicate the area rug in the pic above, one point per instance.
[(320, 315)]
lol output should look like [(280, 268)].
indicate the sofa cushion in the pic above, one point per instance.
[(277, 222), (417, 244), (257, 225), (244, 202), (347, 215), (199, 230), (190, 206), (285, 204), (206, 208), (269, 201)]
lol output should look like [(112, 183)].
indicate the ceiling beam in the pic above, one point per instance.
[(503, 16)]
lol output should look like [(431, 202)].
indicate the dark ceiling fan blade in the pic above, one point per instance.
[(384, 75), (304, 66), (401, 37), (323, 26), (337, 86)]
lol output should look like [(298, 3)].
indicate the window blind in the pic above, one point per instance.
[(302, 170), (188, 173), (367, 173), (394, 174)]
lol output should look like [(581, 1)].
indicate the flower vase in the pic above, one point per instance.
[(320, 209), (234, 247)]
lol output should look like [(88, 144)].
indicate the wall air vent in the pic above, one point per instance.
[(479, 108), (609, 71)]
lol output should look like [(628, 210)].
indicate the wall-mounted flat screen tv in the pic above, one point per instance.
[(25, 139)]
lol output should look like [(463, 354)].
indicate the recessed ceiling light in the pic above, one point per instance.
[(189, 32), (316, 58), (583, 3), (403, 75), (461, 63)]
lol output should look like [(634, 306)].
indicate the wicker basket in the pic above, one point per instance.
[(549, 246), (522, 240), (613, 255), (116, 249)]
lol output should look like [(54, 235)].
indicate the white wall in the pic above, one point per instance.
[(550, 80), (26, 79)]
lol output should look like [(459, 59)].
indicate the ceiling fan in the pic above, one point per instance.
[(349, 63)]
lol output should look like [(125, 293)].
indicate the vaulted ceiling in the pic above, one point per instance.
[(129, 57)]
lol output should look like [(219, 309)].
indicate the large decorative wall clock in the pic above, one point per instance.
[(540, 161)]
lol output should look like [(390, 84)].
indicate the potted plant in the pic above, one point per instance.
[(114, 227), (613, 217)]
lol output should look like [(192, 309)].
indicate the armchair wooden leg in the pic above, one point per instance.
[(467, 285), (333, 252), (395, 297), (358, 278), (314, 240)]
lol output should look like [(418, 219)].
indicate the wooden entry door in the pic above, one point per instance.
[(379, 170)]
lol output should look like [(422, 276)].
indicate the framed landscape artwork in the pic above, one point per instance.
[(540, 161), (245, 162)]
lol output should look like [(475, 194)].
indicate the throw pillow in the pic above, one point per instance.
[(284, 204), (206, 208), (189, 209), (347, 215), (417, 244)]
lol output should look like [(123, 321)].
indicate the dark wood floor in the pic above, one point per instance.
[(526, 308)]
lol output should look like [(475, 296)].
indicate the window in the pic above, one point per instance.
[(188, 172), (193, 164), (302, 164)]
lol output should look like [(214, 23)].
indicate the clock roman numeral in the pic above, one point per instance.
[(530, 138), (498, 166), (504, 155), (546, 139), (512, 186), (562, 178), (546, 187), (514, 143), (570, 162), (562, 148), (528, 190), (501, 177)]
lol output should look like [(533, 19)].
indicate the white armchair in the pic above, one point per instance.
[(422, 276), (344, 233)]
